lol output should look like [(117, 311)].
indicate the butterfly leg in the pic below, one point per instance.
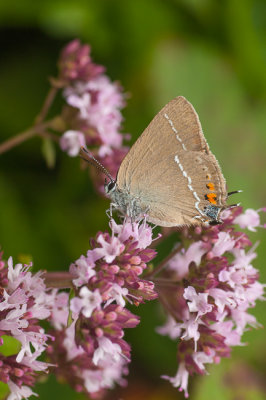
[(109, 212), (200, 218)]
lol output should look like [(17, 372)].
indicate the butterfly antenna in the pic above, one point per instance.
[(234, 192), (89, 158)]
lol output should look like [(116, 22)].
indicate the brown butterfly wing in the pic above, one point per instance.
[(170, 165)]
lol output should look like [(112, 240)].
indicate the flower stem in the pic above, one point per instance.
[(38, 126), (165, 282), (163, 264), (29, 133), (46, 105), (49, 135), (59, 280)]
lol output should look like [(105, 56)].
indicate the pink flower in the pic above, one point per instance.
[(121, 258), (105, 349), (243, 259), (111, 376), (69, 344), (60, 311), (86, 302), (71, 142), (197, 302), (109, 249), (181, 261), (222, 299), (180, 379), (78, 97), (200, 358), (35, 365), (96, 380), (224, 243), (254, 292), (14, 320), (226, 328), (30, 341), (17, 393), (170, 328), (99, 102), (250, 220), (141, 233), (24, 302), (117, 294), (93, 112), (83, 269), (190, 330), (17, 297), (92, 380)]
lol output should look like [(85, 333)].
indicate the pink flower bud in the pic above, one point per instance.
[(198, 230), (138, 270), (114, 269), (111, 316), (209, 255), (99, 332), (135, 260), (18, 372)]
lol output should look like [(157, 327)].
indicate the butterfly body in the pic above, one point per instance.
[(127, 204), (170, 175)]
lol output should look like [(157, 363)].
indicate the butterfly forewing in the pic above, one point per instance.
[(171, 170)]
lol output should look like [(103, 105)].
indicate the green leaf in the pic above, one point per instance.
[(10, 347), (49, 153), (4, 390), (69, 318)]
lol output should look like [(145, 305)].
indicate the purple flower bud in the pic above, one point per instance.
[(75, 63)]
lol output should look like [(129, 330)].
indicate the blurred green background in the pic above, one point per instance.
[(210, 51)]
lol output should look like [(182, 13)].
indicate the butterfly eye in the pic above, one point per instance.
[(109, 187)]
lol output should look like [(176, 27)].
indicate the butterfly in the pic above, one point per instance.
[(169, 175)]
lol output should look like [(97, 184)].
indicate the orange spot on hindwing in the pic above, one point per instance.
[(210, 186), (211, 197)]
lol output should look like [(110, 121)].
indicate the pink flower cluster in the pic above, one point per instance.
[(206, 288), (94, 103), (216, 285), (75, 64), (24, 302), (91, 352)]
